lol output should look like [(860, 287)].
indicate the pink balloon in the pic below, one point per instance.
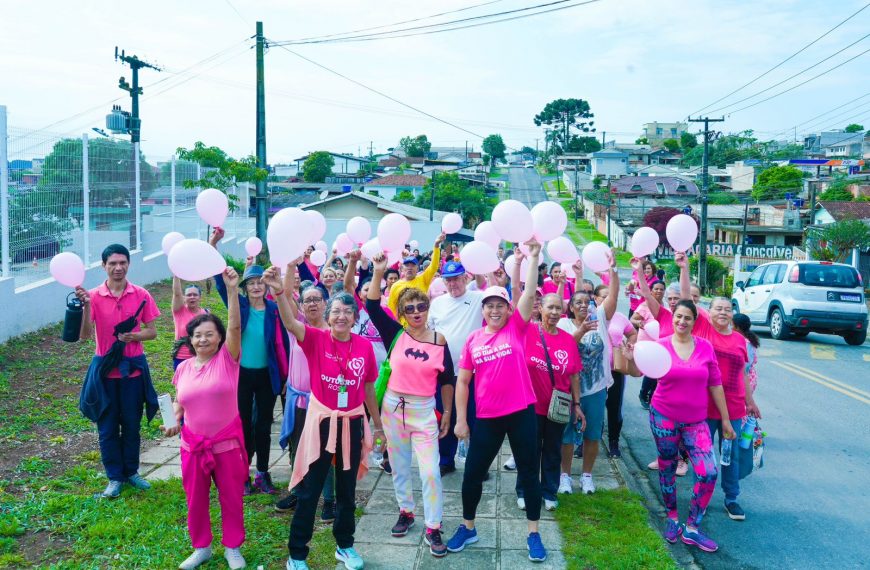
[(212, 206), (67, 269), (479, 257), (169, 240), (288, 236), (393, 232), (596, 256), (320, 246), (437, 288), (451, 223), (568, 270), (195, 260), (318, 257), (513, 221), (652, 358), (549, 220), (359, 230), (487, 233), (343, 244), (644, 241), (509, 264), (253, 246), (681, 232), (653, 329), (414, 244), (562, 250), (371, 248), (318, 225)]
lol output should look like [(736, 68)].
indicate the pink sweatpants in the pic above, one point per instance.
[(229, 474)]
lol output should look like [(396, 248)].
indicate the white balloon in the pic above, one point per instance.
[(393, 232), (562, 250), (195, 260), (287, 235), (513, 221), (549, 220), (371, 248), (318, 225), (451, 223), (253, 246), (644, 241), (359, 230), (653, 329), (681, 231), (320, 246), (170, 240), (212, 206), (318, 257), (486, 232), (479, 257), (414, 244), (568, 270)]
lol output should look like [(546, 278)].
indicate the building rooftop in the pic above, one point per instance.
[(847, 210), (399, 180), (654, 185)]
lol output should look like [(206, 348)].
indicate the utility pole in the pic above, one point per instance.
[(603, 138), (135, 129), (702, 251), (432, 201), (576, 188), (261, 133)]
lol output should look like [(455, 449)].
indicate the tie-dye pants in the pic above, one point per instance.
[(410, 425), (695, 438)]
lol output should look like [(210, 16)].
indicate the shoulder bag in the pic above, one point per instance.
[(559, 410)]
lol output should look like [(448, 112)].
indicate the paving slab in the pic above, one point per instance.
[(159, 455), (486, 531), (472, 557), (379, 558), (507, 508), (520, 559), (514, 532), (164, 472), (375, 528)]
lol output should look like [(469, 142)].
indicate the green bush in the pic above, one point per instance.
[(716, 270)]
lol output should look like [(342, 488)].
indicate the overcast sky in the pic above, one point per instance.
[(635, 61)]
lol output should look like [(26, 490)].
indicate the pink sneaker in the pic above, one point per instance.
[(682, 468)]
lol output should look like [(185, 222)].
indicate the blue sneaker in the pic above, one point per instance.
[(537, 552), (697, 538), (462, 538), (112, 491), (352, 560), (673, 530), (297, 565), (138, 482)]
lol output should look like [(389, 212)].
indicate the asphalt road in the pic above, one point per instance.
[(808, 507), (525, 185)]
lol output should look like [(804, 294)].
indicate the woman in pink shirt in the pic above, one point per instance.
[(343, 374), (647, 273), (185, 306), (677, 417), (212, 440), (504, 399), (558, 281)]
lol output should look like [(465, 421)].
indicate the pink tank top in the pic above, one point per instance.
[(415, 366)]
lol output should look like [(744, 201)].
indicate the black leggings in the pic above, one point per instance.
[(521, 429), (255, 385), (647, 387), (614, 406)]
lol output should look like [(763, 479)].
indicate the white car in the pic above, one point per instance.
[(799, 297)]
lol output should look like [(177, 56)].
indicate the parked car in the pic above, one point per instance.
[(800, 297), (529, 164)]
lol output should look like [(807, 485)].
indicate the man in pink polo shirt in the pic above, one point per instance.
[(114, 398)]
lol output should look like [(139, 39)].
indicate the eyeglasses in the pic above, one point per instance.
[(312, 300), (418, 308)]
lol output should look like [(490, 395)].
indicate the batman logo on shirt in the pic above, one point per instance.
[(416, 354)]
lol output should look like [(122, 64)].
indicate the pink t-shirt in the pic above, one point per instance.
[(681, 395), (666, 322), (564, 358), (551, 287), (209, 395), (732, 357), (415, 366), (502, 384), (181, 317), (329, 358), (618, 328), (108, 310), (298, 375)]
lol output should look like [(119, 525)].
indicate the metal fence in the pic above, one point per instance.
[(79, 194)]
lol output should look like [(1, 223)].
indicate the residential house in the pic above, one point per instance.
[(765, 224), (389, 186), (609, 163), (830, 212), (846, 148), (742, 176), (344, 164), (656, 132), (817, 146), (663, 186)]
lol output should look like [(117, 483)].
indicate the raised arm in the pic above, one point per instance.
[(272, 278), (682, 262), (352, 260), (642, 285), (233, 340), (177, 295), (613, 289), (527, 302), (387, 327), (516, 282), (429, 274)]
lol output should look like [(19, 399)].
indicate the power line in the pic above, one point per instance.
[(799, 84), (750, 82), (786, 130), (396, 23), (389, 35), (787, 79), (239, 14), (838, 117)]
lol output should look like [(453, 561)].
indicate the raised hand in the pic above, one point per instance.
[(354, 255), (380, 262), (216, 236), (231, 278), (680, 260), (534, 247), (272, 278), (83, 295)]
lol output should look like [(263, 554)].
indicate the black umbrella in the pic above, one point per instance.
[(113, 358)]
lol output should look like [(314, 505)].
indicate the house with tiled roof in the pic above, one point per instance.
[(828, 212), (389, 186), (663, 186)]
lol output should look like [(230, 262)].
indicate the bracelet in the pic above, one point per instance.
[(278, 293)]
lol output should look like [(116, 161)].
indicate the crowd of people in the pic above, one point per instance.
[(418, 359)]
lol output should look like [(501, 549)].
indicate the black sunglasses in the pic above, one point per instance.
[(418, 308)]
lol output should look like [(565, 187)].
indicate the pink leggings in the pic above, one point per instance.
[(229, 473), (695, 438)]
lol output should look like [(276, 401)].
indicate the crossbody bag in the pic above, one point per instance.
[(559, 410)]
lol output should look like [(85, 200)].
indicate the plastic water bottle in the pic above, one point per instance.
[(592, 311), (378, 452), (463, 449), (726, 452), (748, 433)]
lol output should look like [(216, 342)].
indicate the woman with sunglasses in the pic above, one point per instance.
[(420, 363)]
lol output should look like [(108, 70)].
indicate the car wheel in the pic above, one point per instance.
[(778, 327), (855, 338)]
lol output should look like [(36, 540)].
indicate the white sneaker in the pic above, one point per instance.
[(550, 505), (586, 484), (199, 557), (234, 558), (510, 464), (565, 484), (521, 504), (653, 465)]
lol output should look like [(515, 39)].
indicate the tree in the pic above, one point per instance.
[(220, 170), (453, 194), (836, 193), (688, 141), (657, 218), (774, 182), (716, 271), (416, 147), (528, 150), (641, 140), (672, 145), (584, 144), (317, 166), (494, 146), (722, 198), (562, 114), (854, 128), (404, 197), (840, 238)]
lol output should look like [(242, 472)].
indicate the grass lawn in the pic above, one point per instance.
[(496, 172), (609, 530)]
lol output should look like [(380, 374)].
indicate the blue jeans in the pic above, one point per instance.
[(118, 427), (728, 474), (448, 444)]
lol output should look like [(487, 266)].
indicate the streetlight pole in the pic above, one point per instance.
[(702, 249)]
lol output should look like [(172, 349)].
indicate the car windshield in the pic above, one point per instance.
[(828, 276)]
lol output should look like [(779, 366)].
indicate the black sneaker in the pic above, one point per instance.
[(613, 450), (644, 401), (385, 466), (445, 469), (405, 522), (735, 513), (327, 513), (287, 504), (486, 476), (432, 537)]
